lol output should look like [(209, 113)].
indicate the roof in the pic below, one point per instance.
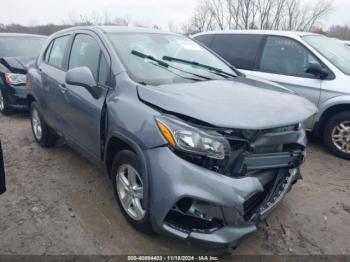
[(116, 29), (22, 35), (260, 32)]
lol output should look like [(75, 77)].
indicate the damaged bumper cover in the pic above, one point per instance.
[(195, 203)]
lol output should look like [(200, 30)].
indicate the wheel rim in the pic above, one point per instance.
[(36, 123), (341, 137), (2, 102), (130, 191)]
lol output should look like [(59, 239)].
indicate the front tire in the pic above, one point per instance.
[(129, 190), (4, 108), (336, 134), (43, 134)]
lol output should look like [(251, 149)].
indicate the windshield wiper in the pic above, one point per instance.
[(166, 65), (211, 69)]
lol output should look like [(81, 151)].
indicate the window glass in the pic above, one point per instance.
[(160, 46), (47, 52), (205, 39), (239, 50), (85, 52), (336, 53), (285, 56), (103, 71), (57, 51), (20, 45)]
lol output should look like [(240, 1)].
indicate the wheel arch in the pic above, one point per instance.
[(328, 110), (30, 99), (118, 142)]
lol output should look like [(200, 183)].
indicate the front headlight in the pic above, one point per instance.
[(187, 138), (15, 79)]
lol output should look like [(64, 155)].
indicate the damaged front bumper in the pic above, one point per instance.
[(198, 204)]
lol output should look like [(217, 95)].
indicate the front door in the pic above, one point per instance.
[(284, 61), (82, 112)]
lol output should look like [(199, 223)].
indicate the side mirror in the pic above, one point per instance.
[(316, 70), (82, 76)]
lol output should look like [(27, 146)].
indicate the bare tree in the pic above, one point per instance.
[(258, 14), (202, 19)]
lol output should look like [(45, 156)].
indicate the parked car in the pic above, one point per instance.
[(16, 51), (2, 173), (190, 150), (312, 65)]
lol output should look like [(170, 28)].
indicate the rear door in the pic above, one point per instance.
[(82, 112), (53, 72)]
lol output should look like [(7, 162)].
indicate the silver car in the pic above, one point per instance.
[(189, 149), (312, 65)]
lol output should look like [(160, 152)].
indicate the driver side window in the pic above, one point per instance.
[(86, 52), (285, 56)]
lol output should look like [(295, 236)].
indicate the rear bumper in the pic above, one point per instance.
[(215, 210)]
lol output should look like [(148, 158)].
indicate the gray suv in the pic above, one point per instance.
[(314, 66), (194, 149)]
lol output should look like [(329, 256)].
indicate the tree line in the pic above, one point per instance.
[(257, 14)]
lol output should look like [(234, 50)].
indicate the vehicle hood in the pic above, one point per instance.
[(17, 64), (242, 102)]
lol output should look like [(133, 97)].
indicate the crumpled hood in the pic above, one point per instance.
[(243, 103), (17, 64)]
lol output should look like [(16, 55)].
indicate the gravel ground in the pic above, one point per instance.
[(58, 203)]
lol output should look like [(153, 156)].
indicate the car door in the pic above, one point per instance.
[(284, 61), (52, 70), (82, 112)]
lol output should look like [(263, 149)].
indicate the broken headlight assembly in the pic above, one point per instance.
[(15, 79), (189, 139)]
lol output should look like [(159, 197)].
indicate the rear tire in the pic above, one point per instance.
[(336, 134), (43, 134), (125, 164), (4, 108)]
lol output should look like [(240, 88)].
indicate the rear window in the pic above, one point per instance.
[(240, 51)]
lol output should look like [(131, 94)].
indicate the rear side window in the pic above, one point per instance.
[(205, 39), (56, 51), (240, 51), (47, 52), (87, 52)]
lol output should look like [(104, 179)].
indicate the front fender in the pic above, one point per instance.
[(139, 151), (338, 100)]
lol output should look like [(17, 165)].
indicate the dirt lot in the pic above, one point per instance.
[(58, 203)]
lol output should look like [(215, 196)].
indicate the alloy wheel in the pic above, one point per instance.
[(36, 122), (130, 191), (2, 102), (341, 136)]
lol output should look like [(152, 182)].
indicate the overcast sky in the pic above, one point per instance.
[(159, 12)]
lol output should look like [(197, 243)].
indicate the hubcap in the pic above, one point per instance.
[(36, 123), (341, 137), (130, 191), (2, 102)]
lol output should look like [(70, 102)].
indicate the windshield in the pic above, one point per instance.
[(158, 47), (20, 46), (336, 53)]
